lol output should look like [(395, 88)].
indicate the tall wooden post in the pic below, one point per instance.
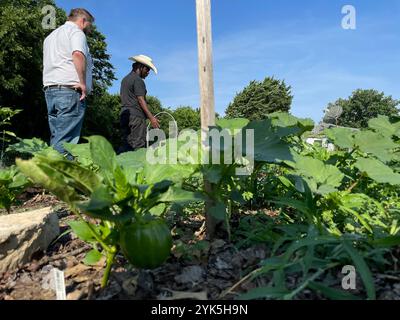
[(204, 41)]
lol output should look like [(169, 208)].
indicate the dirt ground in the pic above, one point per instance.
[(197, 269)]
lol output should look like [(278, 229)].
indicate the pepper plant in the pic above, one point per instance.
[(123, 206)]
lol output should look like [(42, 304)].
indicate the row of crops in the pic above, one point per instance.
[(331, 208)]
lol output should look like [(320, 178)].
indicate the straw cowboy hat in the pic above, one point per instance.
[(147, 61)]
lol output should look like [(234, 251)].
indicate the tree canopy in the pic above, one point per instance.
[(364, 105), (259, 99)]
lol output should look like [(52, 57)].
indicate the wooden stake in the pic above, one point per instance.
[(204, 40), (207, 104)]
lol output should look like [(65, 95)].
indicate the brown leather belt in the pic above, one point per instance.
[(60, 86)]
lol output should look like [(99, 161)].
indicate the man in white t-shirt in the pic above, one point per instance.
[(67, 78)]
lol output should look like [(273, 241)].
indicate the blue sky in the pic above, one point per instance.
[(301, 42)]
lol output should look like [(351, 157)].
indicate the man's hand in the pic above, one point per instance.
[(154, 122), (79, 60), (82, 88)]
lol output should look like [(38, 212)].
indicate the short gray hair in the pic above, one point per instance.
[(80, 13)]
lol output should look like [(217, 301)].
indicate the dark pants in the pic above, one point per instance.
[(134, 132)]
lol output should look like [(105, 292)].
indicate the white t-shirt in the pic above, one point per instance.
[(58, 66)]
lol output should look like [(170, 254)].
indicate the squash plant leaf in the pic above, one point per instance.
[(383, 125), (342, 137), (376, 144), (321, 178), (378, 171), (232, 124), (268, 146)]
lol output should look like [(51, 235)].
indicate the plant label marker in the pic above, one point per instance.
[(59, 284)]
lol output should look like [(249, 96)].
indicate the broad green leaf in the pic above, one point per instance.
[(30, 146), (133, 160), (92, 257), (81, 152), (286, 182), (158, 188), (174, 172), (7, 175), (378, 171), (283, 119), (362, 269), (178, 195), (232, 124), (268, 146), (123, 190), (288, 124), (107, 215), (383, 125), (376, 144), (48, 154), (103, 154), (322, 178), (81, 229), (100, 199), (48, 178), (331, 293), (19, 181), (342, 137), (158, 210), (83, 179)]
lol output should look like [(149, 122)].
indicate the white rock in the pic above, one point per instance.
[(23, 234)]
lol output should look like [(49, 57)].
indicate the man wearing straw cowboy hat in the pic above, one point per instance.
[(135, 110)]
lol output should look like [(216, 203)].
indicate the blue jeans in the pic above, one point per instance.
[(66, 113)]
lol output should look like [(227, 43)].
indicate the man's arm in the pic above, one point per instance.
[(79, 60), (143, 105)]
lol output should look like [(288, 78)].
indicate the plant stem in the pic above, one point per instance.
[(347, 157), (226, 292), (349, 190), (93, 231), (110, 261)]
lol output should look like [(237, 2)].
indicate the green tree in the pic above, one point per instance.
[(102, 117), (364, 105), (154, 104), (187, 118), (259, 99), (21, 61)]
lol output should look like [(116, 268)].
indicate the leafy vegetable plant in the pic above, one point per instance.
[(125, 205)]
